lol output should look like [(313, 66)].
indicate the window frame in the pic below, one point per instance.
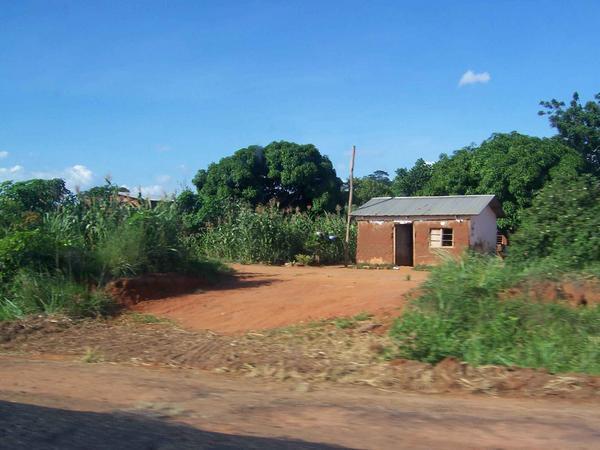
[(443, 237)]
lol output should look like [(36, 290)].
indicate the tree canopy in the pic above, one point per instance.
[(290, 174), (562, 224), (377, 184), (578, 126), (409, 182), (511, 166)]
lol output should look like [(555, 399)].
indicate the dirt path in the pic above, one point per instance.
[(53, 404), (261, 297)]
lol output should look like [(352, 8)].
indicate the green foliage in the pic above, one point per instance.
[(289, 174), (377, 184), (578, 127), (24, 249), (270, 235), (304, 260), (462, 312), (562, 226), (511, 166), (409, 182), (59, 261), (37, 292), (22, 203)]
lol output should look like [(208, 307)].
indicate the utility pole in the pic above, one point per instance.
[(351, 188)]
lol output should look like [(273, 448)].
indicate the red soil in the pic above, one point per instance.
[(262, 297)]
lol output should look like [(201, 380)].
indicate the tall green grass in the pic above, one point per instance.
[(269, 235), (464, 311), (62, 262), (34, 293)]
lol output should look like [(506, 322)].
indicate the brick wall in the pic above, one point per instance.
[(426, 255), (375, 243)]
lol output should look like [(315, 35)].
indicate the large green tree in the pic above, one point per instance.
[(578, 126), (513, 166), (562, 224), (290, 174), (22, 202), (377, 184), (409, 182)]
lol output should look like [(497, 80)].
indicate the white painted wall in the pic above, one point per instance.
[(484, 230)]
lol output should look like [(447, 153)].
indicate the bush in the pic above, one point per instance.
[(269, 235), (24, 249), (463, 313), (561, 227), (33, 293)]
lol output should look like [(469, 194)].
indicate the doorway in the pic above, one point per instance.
[(403, 242)]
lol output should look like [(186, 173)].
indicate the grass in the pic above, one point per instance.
[(147, 318), (351, 322), (463, 313), (34, 293)]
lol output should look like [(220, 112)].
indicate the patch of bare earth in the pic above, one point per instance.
[(304, 355), (262, 297)]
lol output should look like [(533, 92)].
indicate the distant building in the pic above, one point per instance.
[(137, 201), (408, 231)]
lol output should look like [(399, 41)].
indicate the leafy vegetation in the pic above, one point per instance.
[(270, 235), (289, 174), (464, 312), (578, 127), (561, 229), (59, 249)]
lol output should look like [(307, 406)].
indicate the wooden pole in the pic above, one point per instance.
[(350, 191)]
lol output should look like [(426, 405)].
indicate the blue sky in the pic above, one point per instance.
[(149, 92)]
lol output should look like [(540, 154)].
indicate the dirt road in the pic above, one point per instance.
[(53, 404), (261, 297)]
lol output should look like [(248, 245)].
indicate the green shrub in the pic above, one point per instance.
[(269, 235), (19, 249), (33, 293), (304, 260), (560, 230), (463, 312)]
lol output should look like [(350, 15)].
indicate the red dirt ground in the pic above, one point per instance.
[(69, 405), (261, 297)]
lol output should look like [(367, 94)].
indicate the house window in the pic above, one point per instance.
[(441, 237)]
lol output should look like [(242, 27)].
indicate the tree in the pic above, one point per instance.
[(22, 202), (410, 182), (562, 224), (376, 184), (290, 174), (578, 127), (512, 166), (240, 176)]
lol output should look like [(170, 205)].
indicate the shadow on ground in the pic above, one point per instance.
[(24, 426)]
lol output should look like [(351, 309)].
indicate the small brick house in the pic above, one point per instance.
[(408, 231)]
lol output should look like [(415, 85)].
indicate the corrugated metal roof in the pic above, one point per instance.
[(449, 205)]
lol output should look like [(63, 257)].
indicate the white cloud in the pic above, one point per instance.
[(78, 175), (470, 77), (11, 170), (3, 154)]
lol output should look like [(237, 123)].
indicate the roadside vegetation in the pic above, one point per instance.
[(479, 309), (58, 249), (284, 203)]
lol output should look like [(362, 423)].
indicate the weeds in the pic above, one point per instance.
[(269, 235), (463, 313), (91, 356), (351, 322)]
